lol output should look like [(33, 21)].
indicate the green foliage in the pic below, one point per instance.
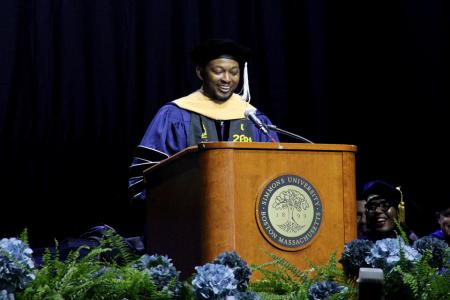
[(416, 281), (280, 277), (401, 232), (446, 259), (24, 236), (299, 295), (283, 280), (108, 272), (328, 272), (440, 286), (120, 252), (187, 290), (407, 280), (92, 276), (331, 271)]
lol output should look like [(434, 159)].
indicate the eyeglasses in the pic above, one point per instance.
[(384, 206)]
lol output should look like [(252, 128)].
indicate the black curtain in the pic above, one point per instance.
[(81, 79)]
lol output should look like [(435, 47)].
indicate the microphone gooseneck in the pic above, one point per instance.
[(250, 114), (285, 132)]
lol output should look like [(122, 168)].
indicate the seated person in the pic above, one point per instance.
[(361, 223), (443, 219), (212, 113), (384, 204)]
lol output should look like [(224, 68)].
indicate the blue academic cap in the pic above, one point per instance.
[(378, 189)]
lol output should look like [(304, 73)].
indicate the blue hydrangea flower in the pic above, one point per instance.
[(162, 271), (246, 296), (323, 289), (16, 265), (4, 295), (240, 268), (354, 256), (214, 281), (437, 248), (386, 253)]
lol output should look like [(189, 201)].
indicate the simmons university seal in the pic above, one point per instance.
[(289, 212)]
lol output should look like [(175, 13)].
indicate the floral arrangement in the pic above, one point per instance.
[(383, 254), (419, 271), (437, 248), (354, 257), (324, 289), (16, 266), (240, 269), (227, 275), (162, 271), (386, 253), (214, 281), (111, 271), (283, 280), (107, 271)]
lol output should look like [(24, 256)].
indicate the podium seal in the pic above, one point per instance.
[(289, 212)]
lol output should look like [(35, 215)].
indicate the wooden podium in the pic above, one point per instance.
[(204, 200)]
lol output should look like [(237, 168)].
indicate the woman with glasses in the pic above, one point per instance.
[(384, 205)]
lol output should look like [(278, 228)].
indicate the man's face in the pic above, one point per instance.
[(220, 78), (381, 215), (361, 216), (444, 222)]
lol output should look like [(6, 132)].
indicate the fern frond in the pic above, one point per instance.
[(293, 269), (302, 294), (280, 277), (24, 236), (410, 281), (122, 253), (401, 232), (73, 256)]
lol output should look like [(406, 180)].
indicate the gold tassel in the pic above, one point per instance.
[(401, 207)]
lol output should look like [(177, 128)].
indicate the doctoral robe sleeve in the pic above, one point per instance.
[(166, 135)]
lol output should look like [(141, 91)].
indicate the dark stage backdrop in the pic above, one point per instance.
[(81, 79)]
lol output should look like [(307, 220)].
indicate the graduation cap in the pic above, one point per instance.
[(379, 189), (224, 48), (217, 48)]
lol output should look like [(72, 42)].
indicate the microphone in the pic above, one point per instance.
[(250, 114), (287, 133)]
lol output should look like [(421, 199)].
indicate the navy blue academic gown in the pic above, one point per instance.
[(170, 132)]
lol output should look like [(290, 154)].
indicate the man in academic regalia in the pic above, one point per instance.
[(212, 113), (443, 219)]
